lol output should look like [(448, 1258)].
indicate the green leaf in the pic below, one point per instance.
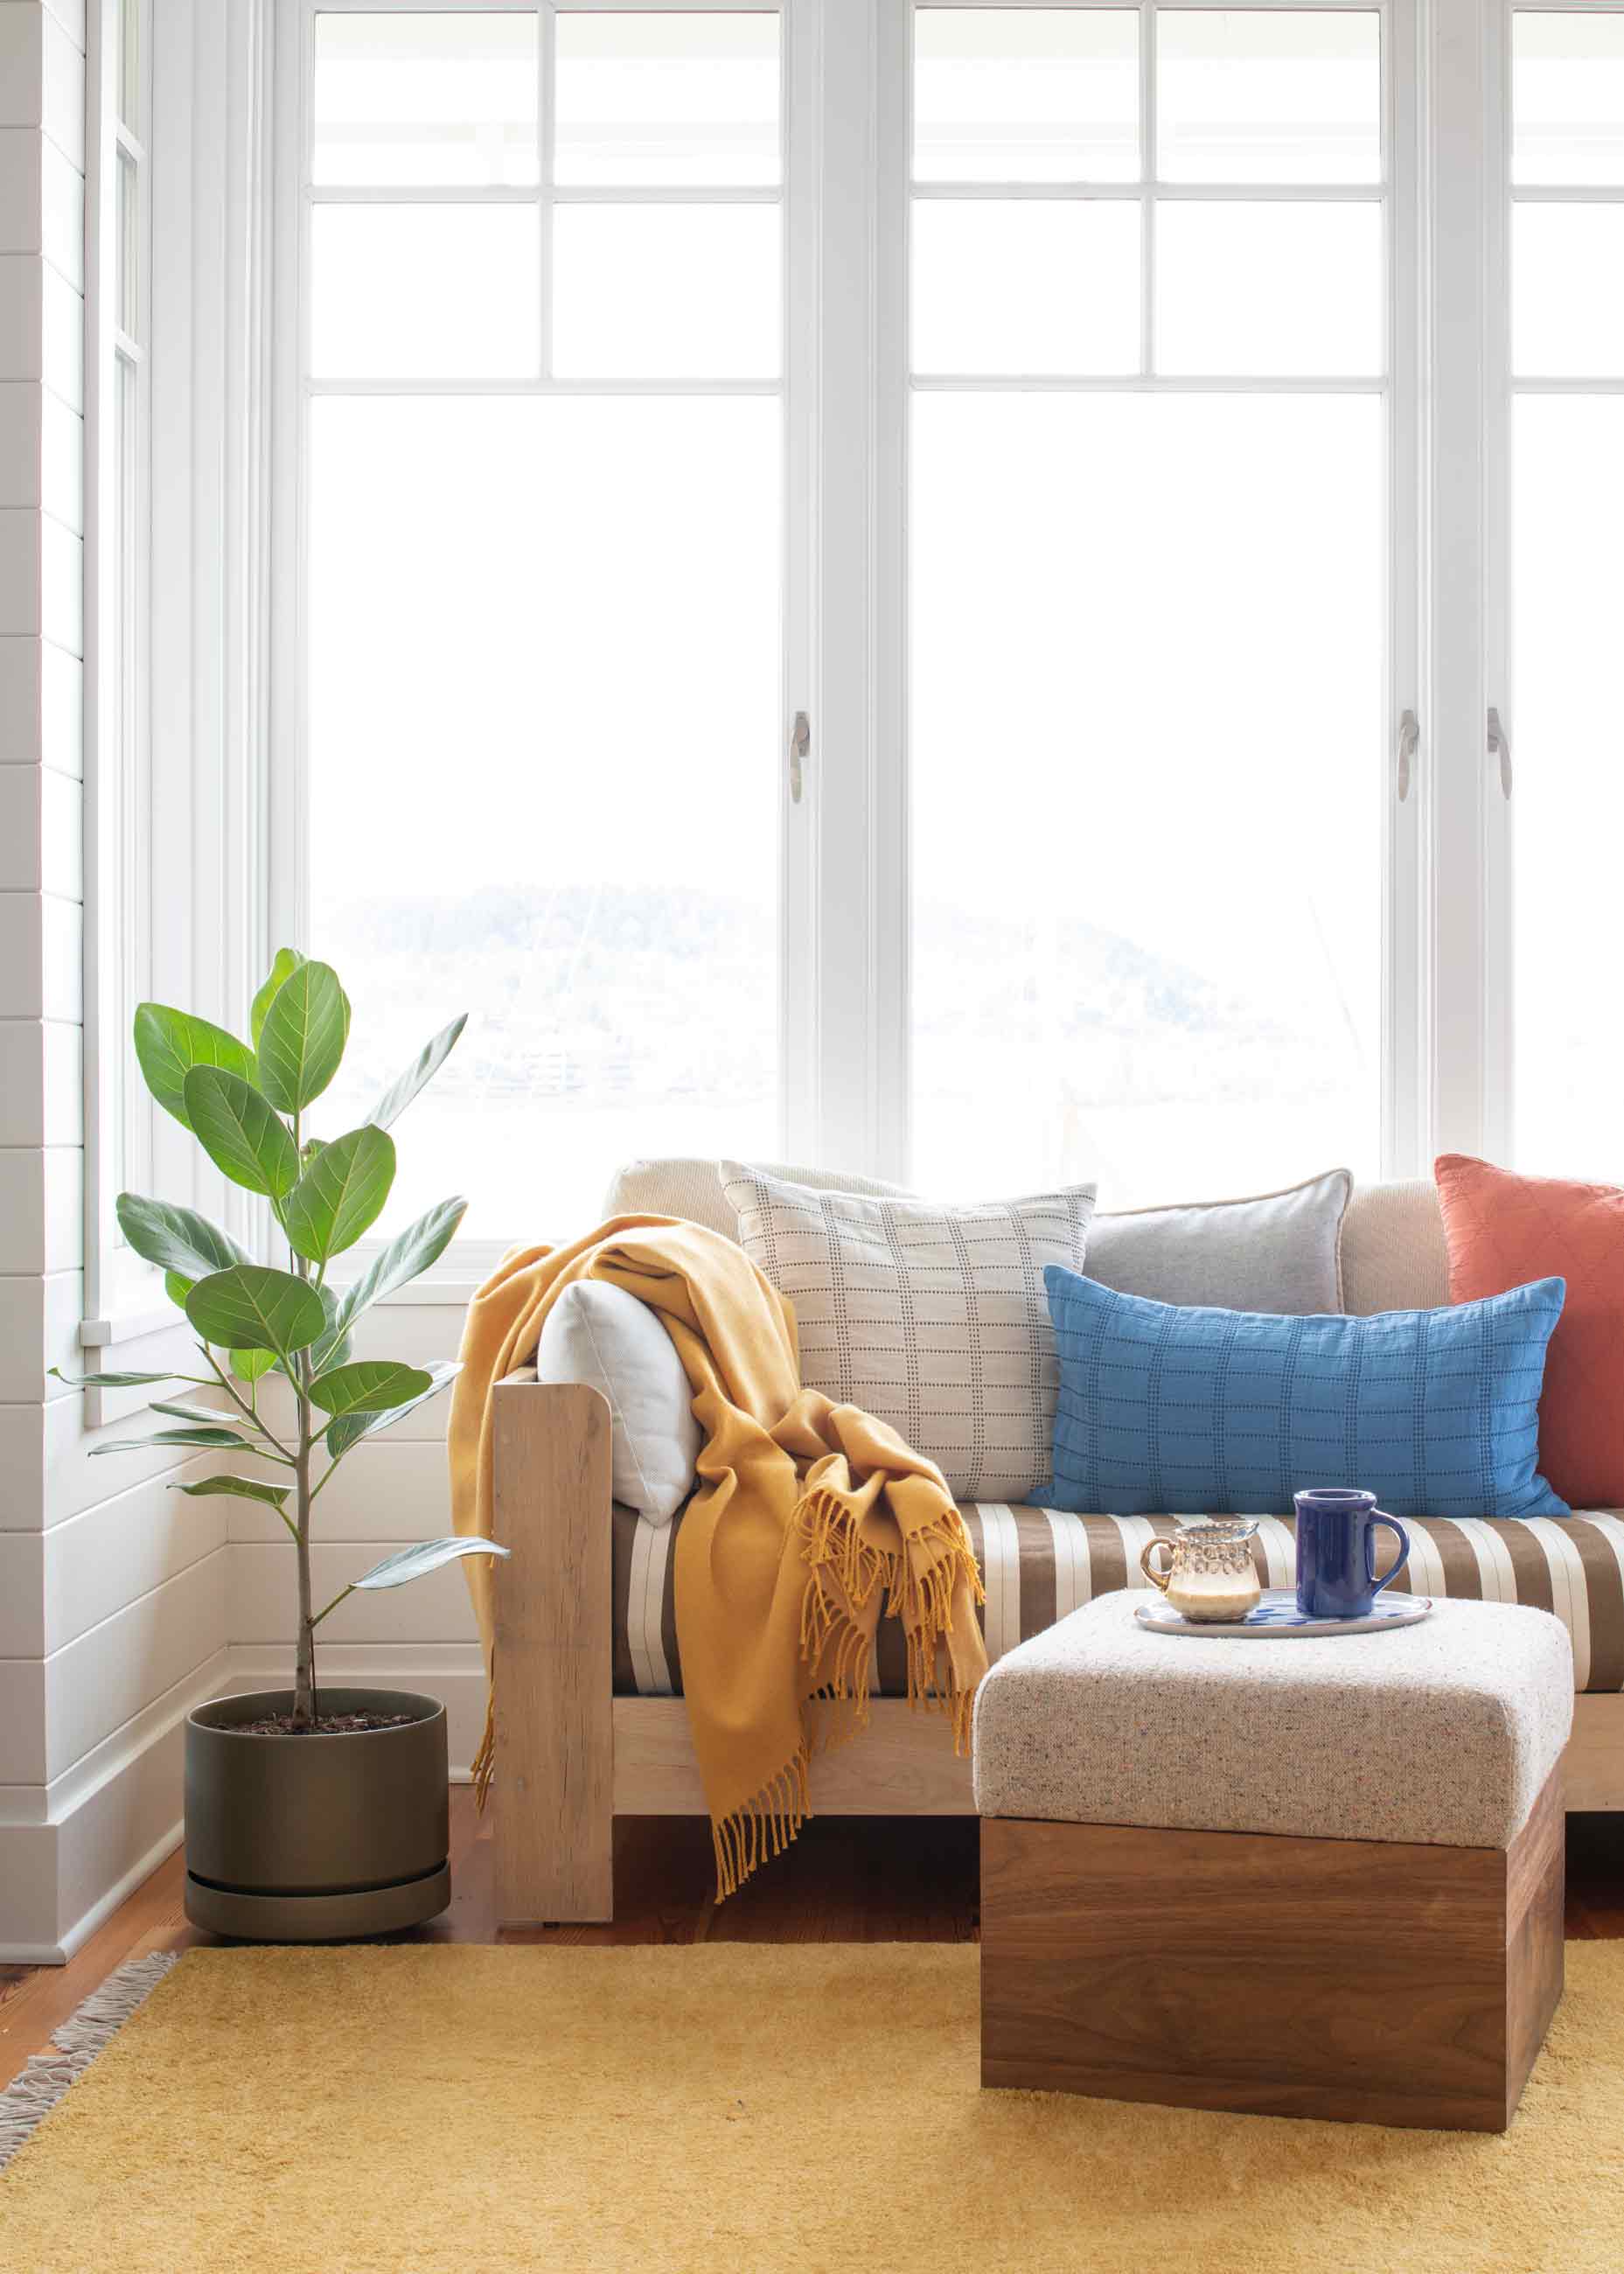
[(427, 1555), (406, 1256), (109, 1380), (372, 1385), (210, 1416), (169, 1043), (423, 1069), (252, 1308), (177, 1289), (226, 1440), (177, 1240), (337, 1344), (302, 1039), (237, 1487), (341, 1194), (287, 962), (250, 1364), (239, 1131), (349, 1431)]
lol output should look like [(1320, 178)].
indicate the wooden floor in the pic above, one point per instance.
[(845, 1880)]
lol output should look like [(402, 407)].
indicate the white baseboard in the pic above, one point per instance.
[(98, 1832)]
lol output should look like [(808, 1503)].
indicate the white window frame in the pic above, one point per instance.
[(296, 196), (193, 799), (1496, 391), (844, 847), (1406, 980), (124, 1297)]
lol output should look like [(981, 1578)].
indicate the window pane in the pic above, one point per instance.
[(1568, 811), (126, 192), (129, 65), (1146, 764), (425, 291), (1567, 310), (544, 734), (1568, 98), (1265, 291), (1025, 94), (666, 291), (668, 99), (1024, 285), (1256, 96), (403, 99)]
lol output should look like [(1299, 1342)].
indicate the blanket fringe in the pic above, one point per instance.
[(921, 1600), (763, 1828), (485, 1760)]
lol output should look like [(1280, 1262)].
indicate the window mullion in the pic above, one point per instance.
[(854, 817), (1459, 566)]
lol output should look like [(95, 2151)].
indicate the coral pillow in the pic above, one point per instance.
[(1503, 1231)]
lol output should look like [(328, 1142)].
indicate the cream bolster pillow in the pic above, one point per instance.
[(600, 1334), (930, 1317)]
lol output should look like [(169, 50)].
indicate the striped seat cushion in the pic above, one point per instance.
[(1039, 1564)]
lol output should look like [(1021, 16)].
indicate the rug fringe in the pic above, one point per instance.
[(88, 2030)]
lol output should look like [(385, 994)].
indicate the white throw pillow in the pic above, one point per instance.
[(600, 1334), (930, 1317)]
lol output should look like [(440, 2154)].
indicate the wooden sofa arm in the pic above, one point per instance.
[(554, 1789)]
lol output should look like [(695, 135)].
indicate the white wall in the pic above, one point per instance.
[(113, 1590)]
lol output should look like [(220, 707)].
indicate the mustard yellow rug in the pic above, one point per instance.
[(417, 2109)]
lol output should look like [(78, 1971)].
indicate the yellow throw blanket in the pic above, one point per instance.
[(807, 1517)]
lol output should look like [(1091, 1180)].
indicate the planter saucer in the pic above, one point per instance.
[(1278, 1618)]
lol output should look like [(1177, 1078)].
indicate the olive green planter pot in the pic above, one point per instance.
[(313, 1838)]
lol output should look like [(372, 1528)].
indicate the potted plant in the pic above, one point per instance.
[(310, 1812)]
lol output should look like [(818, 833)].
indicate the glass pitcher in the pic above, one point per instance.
[(1209, 1573)]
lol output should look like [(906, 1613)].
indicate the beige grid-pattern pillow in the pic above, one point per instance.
[(932, 1318)]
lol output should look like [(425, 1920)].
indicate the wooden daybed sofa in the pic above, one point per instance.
[(590, 1721)]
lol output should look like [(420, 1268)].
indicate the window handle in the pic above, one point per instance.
[(1500, 747), (1409, 743), (800, 746)]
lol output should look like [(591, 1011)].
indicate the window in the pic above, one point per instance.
[(1567, 684), (1149, 438), (1163, 456), (544, 444), (119, 1121)]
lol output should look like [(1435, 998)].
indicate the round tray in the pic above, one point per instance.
[(1277, 1618)]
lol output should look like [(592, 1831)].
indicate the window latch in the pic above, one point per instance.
[(800, 746), (1500, 747), (1409, 743)]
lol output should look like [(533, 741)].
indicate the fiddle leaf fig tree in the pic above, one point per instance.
[(255, 1322)]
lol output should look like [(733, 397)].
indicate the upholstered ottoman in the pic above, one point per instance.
[(1315, 1877)]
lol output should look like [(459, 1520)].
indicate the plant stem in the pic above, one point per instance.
[(304, 1664), (248, 1411)]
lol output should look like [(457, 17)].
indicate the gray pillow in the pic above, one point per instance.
[(1280, 1252)]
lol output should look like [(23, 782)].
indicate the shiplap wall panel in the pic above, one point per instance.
[(41, 1207), (74, 1482), (102, 1680), (431, 1610), (382, 1492), (22, 1739), (22, 1595), (120, 1550)]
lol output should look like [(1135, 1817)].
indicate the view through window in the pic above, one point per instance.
[(543, 607), (1567, 659), (1149, 434)]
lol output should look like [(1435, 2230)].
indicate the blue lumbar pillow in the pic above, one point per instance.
[(1168, 1411)]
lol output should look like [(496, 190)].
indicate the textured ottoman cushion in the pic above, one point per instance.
[(1442, 1733)]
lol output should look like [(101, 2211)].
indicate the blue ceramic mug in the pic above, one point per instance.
[(1336, 1552)]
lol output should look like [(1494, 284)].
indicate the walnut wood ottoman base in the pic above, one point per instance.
[(1372, 1983)]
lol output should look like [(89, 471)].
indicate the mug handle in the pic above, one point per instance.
[(1393, 1524), (1160, 1578)]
